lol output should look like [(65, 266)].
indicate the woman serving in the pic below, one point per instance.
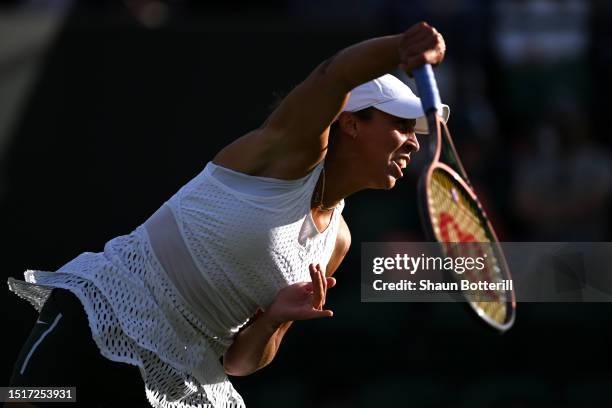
[(211, 282)]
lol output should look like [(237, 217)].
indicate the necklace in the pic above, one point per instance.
[(318, 197)]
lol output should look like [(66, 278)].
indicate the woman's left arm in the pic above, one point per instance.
[(255, 346)]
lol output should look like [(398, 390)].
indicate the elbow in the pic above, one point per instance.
[(233, 369), (236, 368)]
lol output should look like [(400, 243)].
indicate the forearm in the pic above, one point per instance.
[(254, 347), (364, 61)]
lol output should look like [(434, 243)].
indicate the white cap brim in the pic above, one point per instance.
[(410, 108)]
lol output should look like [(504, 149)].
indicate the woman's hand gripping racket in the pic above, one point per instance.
[(452, 215)]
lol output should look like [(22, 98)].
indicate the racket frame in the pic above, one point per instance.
[(435, 147)]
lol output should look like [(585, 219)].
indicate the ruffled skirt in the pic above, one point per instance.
[(136, 316)]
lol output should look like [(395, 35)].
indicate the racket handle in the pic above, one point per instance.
[(428, 88)]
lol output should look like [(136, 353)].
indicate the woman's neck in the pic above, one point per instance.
[(335, 182)]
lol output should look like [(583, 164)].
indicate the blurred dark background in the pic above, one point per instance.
[(106, 109)]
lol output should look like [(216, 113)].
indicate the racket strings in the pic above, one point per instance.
[(447, 199), (455, 218)]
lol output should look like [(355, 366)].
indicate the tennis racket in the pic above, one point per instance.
[(452, 215)]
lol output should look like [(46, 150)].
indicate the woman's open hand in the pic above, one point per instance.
[(302, 300)]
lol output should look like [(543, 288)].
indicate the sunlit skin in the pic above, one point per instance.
[(362, 153), (368, 153)]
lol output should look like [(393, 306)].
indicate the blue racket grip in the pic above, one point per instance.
[(428, 88)]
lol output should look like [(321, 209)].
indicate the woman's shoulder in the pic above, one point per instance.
[(261, 153)]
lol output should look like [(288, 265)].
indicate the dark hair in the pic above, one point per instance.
[(363, 114)]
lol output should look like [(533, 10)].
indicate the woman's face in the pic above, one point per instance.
[(385, 143)]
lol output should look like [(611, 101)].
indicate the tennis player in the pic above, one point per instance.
[(211, 282)]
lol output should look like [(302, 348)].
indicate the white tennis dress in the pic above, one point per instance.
[(170, 296)]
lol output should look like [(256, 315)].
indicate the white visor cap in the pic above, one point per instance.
[(390, 95)]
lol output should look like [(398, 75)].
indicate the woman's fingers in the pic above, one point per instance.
[(323, 281), (417, 33), (421, 44), (309, 288), (319, 285), (416, 29), (420, 47), (322, 313), (331, 282), (427, 51), (316, 287), (323, 286), (323, 290)]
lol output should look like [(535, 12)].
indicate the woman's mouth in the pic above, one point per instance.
[(400, 165)]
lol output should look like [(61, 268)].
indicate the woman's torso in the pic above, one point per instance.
[(243, 238)]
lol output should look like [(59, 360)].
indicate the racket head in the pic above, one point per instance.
[(451, 213)]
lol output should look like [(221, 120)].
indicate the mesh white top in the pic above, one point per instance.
[(169, 296)]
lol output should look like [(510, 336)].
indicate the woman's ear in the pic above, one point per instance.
[(348, 124)]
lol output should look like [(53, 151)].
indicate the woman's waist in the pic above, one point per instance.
[(211, 297)]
